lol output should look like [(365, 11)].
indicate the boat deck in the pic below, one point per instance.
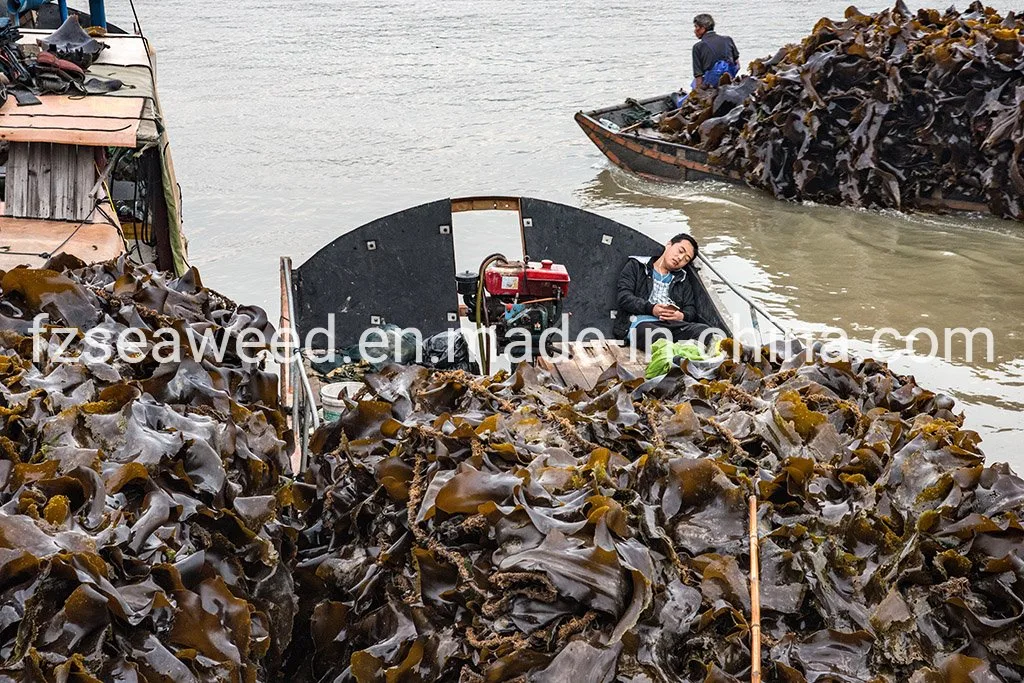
[(579, 367), (31, 241), (122, 118), (583, 363)]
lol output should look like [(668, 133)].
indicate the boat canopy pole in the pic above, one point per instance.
[(98, 13), (754, 307)]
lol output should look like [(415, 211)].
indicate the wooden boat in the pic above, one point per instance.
[(92, 175), (401, 269), (650, 154)]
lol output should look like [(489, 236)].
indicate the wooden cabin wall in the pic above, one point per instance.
[(47, 180)]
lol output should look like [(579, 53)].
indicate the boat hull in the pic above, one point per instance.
[(668, 161), (654, 159)]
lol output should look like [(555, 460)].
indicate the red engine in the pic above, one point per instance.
[(544, 279), (515, 296)]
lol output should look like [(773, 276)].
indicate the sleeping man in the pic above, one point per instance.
[(656, 297)]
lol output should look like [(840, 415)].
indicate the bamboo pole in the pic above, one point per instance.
[(755, 598), (633, 126)]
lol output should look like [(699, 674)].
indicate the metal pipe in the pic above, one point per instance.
[(63, 5), (481, 310), (743, 296), (98, 14), (17, 7), (756, 325), (308, 390)]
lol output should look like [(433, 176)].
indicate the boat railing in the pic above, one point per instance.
[(298, 392), (755, 308), (97, 9)]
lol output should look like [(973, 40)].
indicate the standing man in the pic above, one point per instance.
[(713, 55)]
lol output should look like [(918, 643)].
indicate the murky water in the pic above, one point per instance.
[(293, 123)]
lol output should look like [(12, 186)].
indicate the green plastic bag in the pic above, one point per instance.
[(662, 353)]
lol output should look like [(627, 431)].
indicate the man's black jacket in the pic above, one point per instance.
[(712, 48), (634, 291)]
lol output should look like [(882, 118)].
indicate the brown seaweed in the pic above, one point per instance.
[(452, 527), (885, 110), (507, 529), (142, 534)]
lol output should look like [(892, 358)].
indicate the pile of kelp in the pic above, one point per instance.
[(140, 501), (506, 529), (886, 110), (453, 527)]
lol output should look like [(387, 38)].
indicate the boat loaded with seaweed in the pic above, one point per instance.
[(809, 518), (88, 168), (789, 515), (898, 109)]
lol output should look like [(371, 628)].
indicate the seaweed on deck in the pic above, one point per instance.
[(141, 535), (497, 529), (455, 527)]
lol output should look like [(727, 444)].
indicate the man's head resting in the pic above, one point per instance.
[(679, 251), (702, 23)]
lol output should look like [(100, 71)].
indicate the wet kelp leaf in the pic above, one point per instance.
[(140, 533), (827, 655), (886, 110), (469, 489), (46, 291), (507, 531), (581, 661)]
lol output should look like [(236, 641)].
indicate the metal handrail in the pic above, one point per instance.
[(754, 307), (307, 391), (303, 399)]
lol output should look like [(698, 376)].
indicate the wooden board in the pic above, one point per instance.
[(583, 363), (50, 181), (64, 195), (22, 240), (97, 120)]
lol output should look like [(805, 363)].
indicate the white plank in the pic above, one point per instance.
[(44, 174), (17, 179), (60, 181)]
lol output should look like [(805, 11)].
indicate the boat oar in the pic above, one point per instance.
[(633, 126)]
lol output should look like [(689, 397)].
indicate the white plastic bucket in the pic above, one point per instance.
[(332, 398)]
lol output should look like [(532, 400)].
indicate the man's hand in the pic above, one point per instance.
[(668, 313)]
